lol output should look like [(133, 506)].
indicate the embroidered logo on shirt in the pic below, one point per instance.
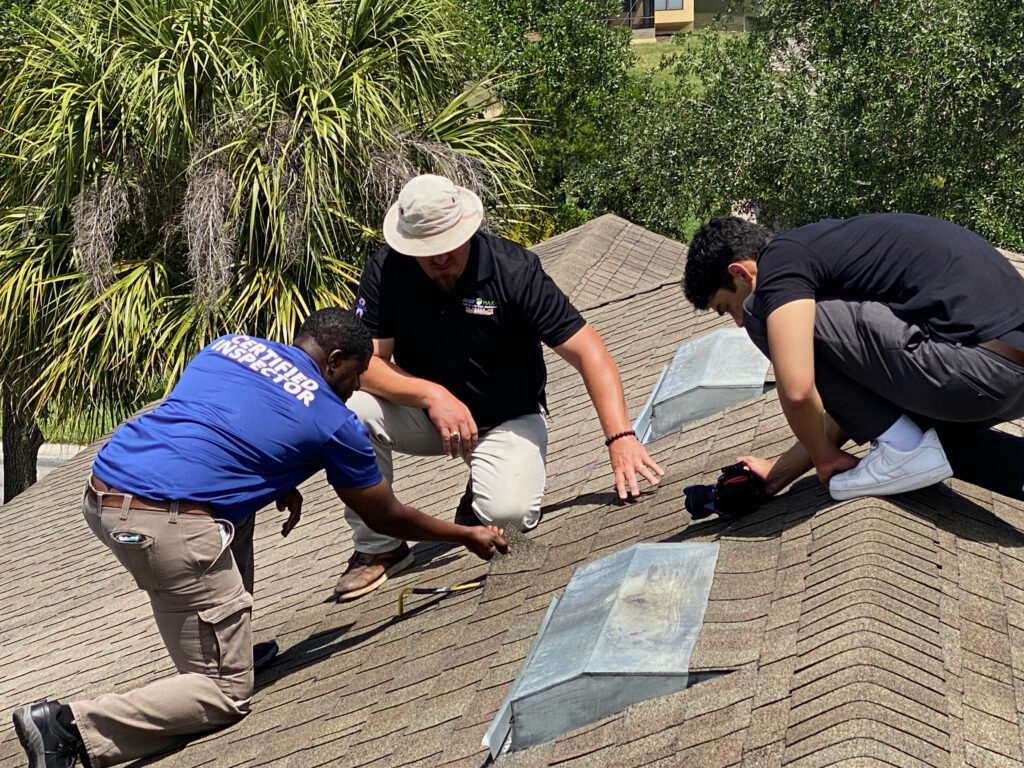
[(479, 306), (361, 307)]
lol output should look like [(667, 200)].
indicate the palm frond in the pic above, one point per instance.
[(175, 169)]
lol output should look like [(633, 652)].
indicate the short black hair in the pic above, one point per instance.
[(337, 328), (714, 247)]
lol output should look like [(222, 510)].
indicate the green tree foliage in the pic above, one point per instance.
[(642, 174), (568, 73), (175, 169), (833, 110)]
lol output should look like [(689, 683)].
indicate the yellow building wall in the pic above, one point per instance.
[(674, 21)]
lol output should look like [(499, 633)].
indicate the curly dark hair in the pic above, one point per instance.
[(714, 247), (336, 328)]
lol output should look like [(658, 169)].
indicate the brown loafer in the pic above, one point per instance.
[(366, 572)]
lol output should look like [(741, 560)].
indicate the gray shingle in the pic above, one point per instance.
[(875, 632)]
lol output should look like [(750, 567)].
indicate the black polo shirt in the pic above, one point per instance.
[(481, 341)]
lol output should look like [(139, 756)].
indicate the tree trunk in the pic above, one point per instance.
[(22, 439)]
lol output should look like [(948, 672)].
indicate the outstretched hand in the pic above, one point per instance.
[(483, 541), (292, 501), (629, 458)]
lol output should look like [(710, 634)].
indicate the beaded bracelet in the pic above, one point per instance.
[(613, 438)]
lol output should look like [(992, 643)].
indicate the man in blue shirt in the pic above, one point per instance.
[(173, 490)]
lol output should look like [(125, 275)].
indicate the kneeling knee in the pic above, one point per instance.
[(520, 516)]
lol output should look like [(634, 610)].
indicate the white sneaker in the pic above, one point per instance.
[(884, 470)]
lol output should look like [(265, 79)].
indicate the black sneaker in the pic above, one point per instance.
[(263, 654), (464, 514), (46, 742)]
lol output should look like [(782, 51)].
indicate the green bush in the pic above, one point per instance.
[(830, 110), (566, 71), (175, 169)]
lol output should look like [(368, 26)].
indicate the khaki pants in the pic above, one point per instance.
[(202, 611), (507, 467)]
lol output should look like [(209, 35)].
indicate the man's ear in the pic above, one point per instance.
[(334, 359), (743, 270)]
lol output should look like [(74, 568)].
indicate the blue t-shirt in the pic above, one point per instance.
[(249, 420)]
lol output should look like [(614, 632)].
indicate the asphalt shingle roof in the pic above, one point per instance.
[(607, 258), (862, 633)]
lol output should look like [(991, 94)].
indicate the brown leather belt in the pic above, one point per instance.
[(1004, 350), (113, 498)]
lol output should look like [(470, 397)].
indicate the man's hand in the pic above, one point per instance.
[(454, 423), (762, 469), (629, 457), (385, 514), (780, 472), (483, 541), (833, 463), (450, 416), (292, 501)]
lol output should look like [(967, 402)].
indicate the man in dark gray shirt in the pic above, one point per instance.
[(876, 327)]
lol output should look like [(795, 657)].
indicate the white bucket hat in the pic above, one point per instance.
[(432, 216)]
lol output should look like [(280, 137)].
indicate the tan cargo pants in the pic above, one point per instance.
[(202, 610)]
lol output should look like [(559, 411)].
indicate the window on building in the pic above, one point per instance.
[(668, 5)]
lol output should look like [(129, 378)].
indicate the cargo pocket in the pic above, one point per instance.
[(226, 638), (914, 337), (135, 552)]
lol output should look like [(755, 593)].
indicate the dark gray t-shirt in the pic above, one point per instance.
[(934, 274)]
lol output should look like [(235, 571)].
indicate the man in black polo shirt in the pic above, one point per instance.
[(457, 319), (886, 323)]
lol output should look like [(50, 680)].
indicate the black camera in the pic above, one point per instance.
[(737, 492)]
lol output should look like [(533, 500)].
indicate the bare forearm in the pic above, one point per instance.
[(405, 522), (806, 418), (791, 343), (796, 460), (389, 382), (605, 389), (384, 513), (587, 354), (787, 468)]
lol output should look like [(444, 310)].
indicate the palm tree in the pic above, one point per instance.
[(174, 169)]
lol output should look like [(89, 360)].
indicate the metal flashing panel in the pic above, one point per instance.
[(622, 633), (706, 375)]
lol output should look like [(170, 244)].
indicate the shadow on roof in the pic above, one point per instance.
[(807, 497)]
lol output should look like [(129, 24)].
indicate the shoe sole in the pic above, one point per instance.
[(405, 562), (921, 480), (29, 736)]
